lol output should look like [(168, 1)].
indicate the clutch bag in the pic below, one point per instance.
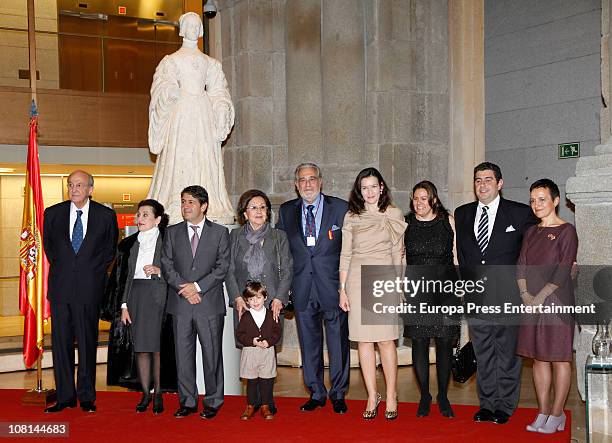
[(464, 363)]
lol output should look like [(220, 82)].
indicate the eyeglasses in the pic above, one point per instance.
[(309, 180), (78, 185), (256, 208)]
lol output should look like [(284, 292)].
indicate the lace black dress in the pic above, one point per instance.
[(429, 258)]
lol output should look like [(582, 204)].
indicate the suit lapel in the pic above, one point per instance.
[(269, 244), (205, 229), (471, 221), (90, 225), (501, 222), (133, 258), (325, 219), (183, 237), (298, 221), (65, 223)]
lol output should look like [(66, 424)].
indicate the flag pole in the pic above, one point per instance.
[(37, 396)]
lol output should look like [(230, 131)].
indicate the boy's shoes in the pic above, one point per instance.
[(248, 412), (265, 412)]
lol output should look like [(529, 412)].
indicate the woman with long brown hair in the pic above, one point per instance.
[(372, 234)]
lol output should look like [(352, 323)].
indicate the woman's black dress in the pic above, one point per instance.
[(429, 258)]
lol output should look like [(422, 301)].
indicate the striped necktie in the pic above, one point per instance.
[(483, 230)]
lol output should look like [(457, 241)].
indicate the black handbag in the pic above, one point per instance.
[(464, 363)]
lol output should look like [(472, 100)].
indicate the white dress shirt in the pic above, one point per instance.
[(191, 231), (258, 316), (84, 217), (492, 212)]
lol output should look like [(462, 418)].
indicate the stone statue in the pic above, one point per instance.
[(190, 114)]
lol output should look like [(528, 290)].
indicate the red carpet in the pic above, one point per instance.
[(116, 421)]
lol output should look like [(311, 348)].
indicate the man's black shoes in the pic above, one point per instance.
[(483, 415), (58, 407), (339, 406), (208, 412), (88, 406), (500, 417), (184, 411), (312, 404)]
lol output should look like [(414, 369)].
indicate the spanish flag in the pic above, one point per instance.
[(34, 266)]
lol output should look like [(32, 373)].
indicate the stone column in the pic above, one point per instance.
[(591, 193), (466, 54), (407, 91), (253, 51)]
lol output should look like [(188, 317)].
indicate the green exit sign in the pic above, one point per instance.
[(569, 150)]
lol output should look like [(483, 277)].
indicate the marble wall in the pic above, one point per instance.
[(344, 83)]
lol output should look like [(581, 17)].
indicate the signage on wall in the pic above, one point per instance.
[(127, 197), (569, 150), (121, 10)]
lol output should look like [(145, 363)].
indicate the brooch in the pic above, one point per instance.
[(552, 237)]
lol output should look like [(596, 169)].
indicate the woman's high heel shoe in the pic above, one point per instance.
[(537, 423), (369, 415), (158, 404), (424, 406), (444, 407), (144, 402), (392, 415), (553, 424)]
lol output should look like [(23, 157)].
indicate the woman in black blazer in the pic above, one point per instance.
[(140, 294)]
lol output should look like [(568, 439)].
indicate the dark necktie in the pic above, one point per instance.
[(194, 240), (311, 226), (483, 230), (77, 232)]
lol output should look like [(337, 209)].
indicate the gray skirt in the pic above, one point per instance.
[(146, 316)]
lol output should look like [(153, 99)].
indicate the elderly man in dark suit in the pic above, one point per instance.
[(489, 236), (80, 237), (195, 259), (313, 224)]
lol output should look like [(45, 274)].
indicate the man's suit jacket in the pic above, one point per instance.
[(207, 268), (316, 266), (511, 222), (79, 278)]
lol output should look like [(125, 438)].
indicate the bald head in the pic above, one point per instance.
[(80, 187)]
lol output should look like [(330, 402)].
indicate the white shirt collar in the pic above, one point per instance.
[(85, 208), (199, 225), (492, 206)]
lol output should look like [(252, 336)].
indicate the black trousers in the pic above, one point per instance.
[(499, 368), (69, 322)]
